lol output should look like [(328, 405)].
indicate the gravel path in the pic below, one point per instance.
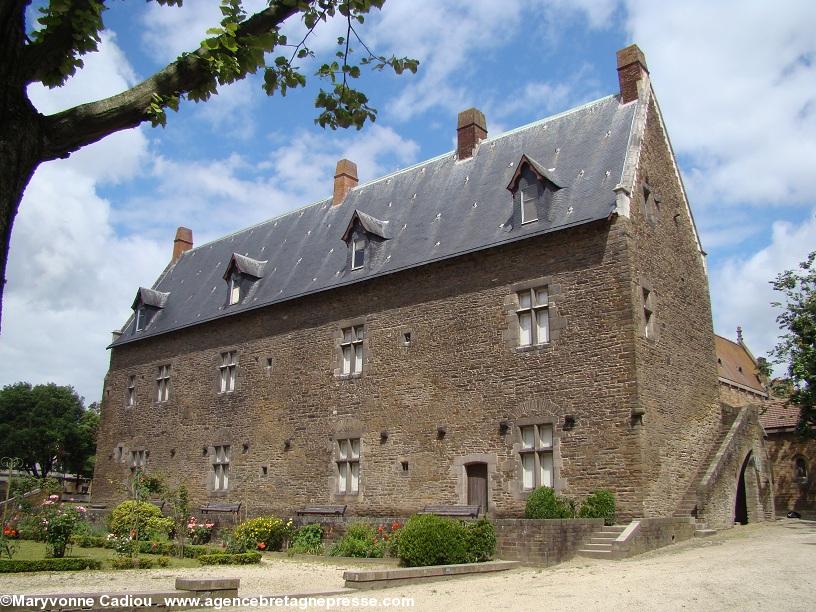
[(756, 567)]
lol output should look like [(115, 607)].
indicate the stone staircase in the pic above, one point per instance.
[(599, 544)]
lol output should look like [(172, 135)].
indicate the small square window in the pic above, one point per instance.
[(406, 338)]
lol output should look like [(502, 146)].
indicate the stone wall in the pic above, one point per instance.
[(647, 534), (791, 493), (544, 542), (461, 370), (676, 361)]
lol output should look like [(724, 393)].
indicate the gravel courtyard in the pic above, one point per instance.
[(755, 567)]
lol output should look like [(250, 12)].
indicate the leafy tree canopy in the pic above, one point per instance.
[(47, 427), (797, 345), (51, 50)]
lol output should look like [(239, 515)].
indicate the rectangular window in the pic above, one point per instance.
[(533, 316), (348, 466), (163, 384), (140, 318), (220, 467), (227, 372), (536, 453), (130, 395), (358, 254), (529, 198), (352, 348), (648, 313), (235, 289)]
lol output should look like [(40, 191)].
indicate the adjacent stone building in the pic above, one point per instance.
[(530, 309), (792, 457)]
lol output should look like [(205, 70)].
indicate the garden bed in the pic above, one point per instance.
[(28, 550)]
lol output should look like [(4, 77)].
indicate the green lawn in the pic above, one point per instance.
[(28, 549)]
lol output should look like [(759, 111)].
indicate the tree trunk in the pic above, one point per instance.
[(21, 137)]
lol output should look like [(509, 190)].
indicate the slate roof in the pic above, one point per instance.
[(149, 297), (735, 364), (246, 265), (434, 210)]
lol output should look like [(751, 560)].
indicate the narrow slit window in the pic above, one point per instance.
[(130, 397)]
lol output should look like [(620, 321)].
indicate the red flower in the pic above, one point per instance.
[(261, 545), (394, 526), (380, 529)]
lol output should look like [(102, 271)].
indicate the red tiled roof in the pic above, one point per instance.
[(735, 364), (779, 414)]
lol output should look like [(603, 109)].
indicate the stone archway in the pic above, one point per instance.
[(741, 498)]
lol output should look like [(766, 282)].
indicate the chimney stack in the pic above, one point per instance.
[(345, 179), (631, 69), (471, 128), (183, 242), (739, 334)]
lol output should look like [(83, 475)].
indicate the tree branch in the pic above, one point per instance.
[(70, 130)]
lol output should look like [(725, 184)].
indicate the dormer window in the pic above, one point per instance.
[(241, 274), (146, 305), (532, 187), (358, 253), (363, 235)]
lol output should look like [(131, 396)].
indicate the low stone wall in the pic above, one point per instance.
[(544, 542), (645, 534)]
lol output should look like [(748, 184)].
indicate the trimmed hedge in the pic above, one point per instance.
[(246, 558), (599, 504), (170, 549), (543, 503), (64, 564), (427, 539), (138, 562)]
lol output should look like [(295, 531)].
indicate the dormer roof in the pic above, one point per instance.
[(150, 297), (542, 173), (245, 265), (368, 223)]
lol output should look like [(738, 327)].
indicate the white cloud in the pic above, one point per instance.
[(736, 83), (741, 290)]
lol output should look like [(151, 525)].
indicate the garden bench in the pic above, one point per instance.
[(322, 510), (159, 503), (232, 509), (459, 511)]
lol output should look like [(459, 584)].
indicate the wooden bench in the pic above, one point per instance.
[(159, 503), (322, 510), (457, 511), (232, 509)]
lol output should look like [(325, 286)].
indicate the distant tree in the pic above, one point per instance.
[(47, 427), (797, 346), (50, 52)]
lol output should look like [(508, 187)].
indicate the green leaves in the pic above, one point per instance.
[(797, 346)]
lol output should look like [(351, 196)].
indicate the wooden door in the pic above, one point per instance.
[(477, 485)]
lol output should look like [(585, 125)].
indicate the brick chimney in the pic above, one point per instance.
[(183, 242), (631, 69), (471, 128), (345, 179)]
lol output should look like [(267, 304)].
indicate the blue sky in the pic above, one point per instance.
[(735, 81)]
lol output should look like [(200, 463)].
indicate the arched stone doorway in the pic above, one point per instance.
[(741, 501)]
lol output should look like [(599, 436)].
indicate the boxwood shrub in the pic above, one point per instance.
[(64, 564), (428, 539), (599, 504), (124, 517), (246, 558), (543, 503)]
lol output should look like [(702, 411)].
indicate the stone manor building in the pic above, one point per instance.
[(530, 309)]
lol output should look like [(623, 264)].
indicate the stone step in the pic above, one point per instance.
[(600, 540), (595, 554), (702, 533), (607, 533), (607, 547)]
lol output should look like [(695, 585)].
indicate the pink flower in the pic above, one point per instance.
[(81, 509), (209, 525), (54, 497)]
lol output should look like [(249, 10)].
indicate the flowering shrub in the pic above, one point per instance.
[(262, 533), (363, 540), (59, 522), (307, 540), (9, 531), (135, 519), (199, 533)]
